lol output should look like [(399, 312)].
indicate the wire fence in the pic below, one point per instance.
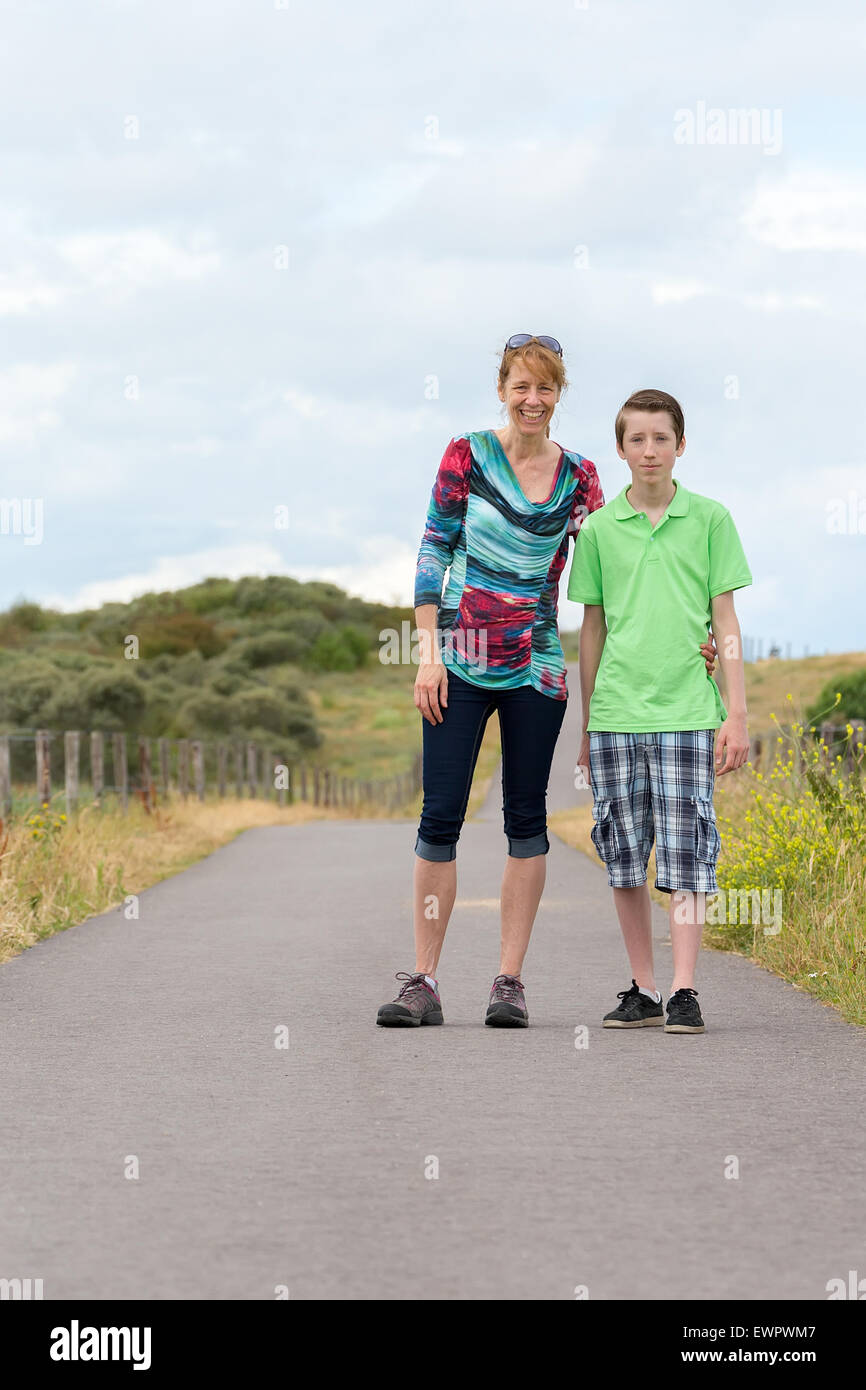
[(95, 767)]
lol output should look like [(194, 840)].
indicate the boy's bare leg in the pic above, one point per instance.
[(522, 887), (434, 890), (634, 910), (687, 915)]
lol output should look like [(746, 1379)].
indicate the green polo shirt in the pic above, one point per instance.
[(656, 585)]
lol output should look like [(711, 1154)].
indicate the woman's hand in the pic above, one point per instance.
[(431, 691), (709, 651)]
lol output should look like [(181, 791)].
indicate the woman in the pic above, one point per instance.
[(502, 509)]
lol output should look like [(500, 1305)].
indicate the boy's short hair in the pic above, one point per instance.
[(654, 401)]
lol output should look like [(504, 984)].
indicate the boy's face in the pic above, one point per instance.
[(649, 445)]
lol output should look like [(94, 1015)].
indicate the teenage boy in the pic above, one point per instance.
[(655, 567)]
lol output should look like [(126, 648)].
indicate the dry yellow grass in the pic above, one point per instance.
[(89, 865), (768, 683)]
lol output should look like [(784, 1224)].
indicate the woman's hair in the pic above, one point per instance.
[(542, 361)]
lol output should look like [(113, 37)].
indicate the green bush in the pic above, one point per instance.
[(190, 669), (259, 707), (28, 616), (306, 623), (227, 682), (851, 706), (339, 649), (25, 691), (204, 715), (102, 698), (272, 648), (277, 591), (210, 595), (176, 635)]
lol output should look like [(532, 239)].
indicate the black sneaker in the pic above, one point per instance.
[(507, 1006), (416, 1003), (636, 1011), (684, 1016)]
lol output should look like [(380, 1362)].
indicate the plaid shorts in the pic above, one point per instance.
[(655, 786)]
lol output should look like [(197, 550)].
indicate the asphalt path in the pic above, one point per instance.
[(157, 1143)]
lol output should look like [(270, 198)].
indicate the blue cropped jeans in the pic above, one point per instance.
[(529, 724)]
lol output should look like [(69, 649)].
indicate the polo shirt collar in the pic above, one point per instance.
[(678, 505)]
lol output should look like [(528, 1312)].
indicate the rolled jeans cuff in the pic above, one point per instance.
[(527, 849), (437, 853)]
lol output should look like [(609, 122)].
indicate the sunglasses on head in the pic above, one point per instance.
[(521, 339)]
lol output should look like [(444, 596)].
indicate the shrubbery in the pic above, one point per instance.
[(219, 659), (851, 705)]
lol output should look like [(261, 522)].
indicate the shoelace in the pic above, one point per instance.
[(683, 997), (626, 993), (412, 985), (508, 987)]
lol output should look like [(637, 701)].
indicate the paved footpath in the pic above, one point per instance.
[(602, 1166)]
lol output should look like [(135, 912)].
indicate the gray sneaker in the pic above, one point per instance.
[(416, 1003), (507, 1007)]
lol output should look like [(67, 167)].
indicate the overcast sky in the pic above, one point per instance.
[(262, 255)]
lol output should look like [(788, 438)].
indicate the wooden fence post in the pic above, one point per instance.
[(144, 773), (183, 767), (270, 771), (121, 776), (97, 766), (827, 731), (198, 767), (239, 768), (43, 767), (71, 765), (163, 746), (5, 778), (279, 791)]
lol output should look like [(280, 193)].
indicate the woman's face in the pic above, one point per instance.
[(530, 397)]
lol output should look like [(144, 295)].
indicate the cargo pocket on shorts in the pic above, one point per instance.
[(707, 839), (603, 833)]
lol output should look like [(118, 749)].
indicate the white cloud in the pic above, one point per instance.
[(385, 573), (133, 260), (676, 292), (810, 210), (172, 572), (351, 422), (28, 394), (25, 290), (203, 447)]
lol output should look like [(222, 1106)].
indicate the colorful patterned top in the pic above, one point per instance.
[(498, 614)]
